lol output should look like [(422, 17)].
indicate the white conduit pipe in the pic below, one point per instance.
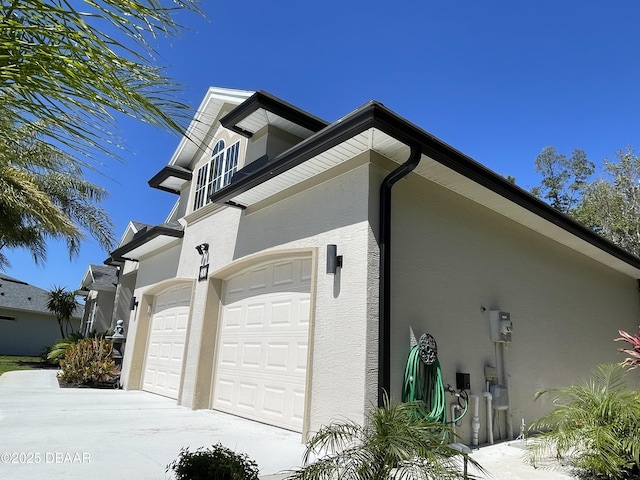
[(475, 421), (489, 398), (454, 410)]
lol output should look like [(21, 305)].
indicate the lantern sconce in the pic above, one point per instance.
[(202, 248), (334, 261), (203, 251)]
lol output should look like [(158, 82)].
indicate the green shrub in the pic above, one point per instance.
[(215, 463), (397, 441), (595, 424), (88, 362), (56, 352)]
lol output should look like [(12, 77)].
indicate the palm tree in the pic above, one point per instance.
[(70, 65), (43, 195), (595, 424), (63, 304), (394, 443)]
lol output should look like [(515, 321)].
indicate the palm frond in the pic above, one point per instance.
[(393, 443), (595, 424)]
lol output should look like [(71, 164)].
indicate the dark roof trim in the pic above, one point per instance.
[(168, 172), (376, 115), (262, 99), (142, 238)]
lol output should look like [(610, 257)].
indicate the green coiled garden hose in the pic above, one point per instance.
[(423, 382)]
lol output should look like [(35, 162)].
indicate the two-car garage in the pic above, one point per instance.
[(260, 366)]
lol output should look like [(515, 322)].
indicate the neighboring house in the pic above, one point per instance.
[(238, 309), (27, 327), (125, 302), (98, 287)]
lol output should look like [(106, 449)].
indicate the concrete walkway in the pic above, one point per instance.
[(77, 433)]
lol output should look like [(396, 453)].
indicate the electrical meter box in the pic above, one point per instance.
[(500, 326), (500, 396)]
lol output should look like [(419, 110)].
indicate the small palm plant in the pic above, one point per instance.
[(394, 443), (62, 303), (595, 425)]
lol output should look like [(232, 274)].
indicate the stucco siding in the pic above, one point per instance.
[(462, 260), (123, 299), (29, 333), (335, 211), (104, 302), (151, 271)]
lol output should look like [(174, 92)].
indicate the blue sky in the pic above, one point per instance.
[(498, 80)]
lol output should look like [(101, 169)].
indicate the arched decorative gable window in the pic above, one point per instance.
[(216, 173)]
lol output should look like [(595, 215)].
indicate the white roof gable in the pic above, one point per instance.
[(203, 120)]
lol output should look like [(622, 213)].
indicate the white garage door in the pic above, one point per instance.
[(262, 351), (165, 349)]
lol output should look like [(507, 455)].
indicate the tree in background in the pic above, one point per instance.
[(43, 196), (563, 179), (71, 65), (66, 69), (609, 205), (62, 303)]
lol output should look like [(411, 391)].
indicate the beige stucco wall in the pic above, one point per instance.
[(462, 260), (151, 272), (332, 212), (453, 262)]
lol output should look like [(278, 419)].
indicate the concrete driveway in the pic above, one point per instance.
[(55, 433)]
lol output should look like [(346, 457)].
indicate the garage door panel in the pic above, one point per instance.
[(267, 399), (274, 400), (252, 355), (167, 334), (277, 356), (247, 394), (282, 355), (298, 405), (304, 312), (301, 353), (255, 315), (283, 274), (229, 354), (258, 279), (263, 345)]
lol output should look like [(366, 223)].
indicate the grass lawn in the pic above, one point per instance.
[(11, 362)]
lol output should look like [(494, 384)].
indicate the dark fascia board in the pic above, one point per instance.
[(168, 172), (115, 262), (273, 104), (376, 115), (119, 254)]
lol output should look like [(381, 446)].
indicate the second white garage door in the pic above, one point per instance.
[(263, 341), (165, 348)]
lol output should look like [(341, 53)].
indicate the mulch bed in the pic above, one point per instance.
[(114, 385)]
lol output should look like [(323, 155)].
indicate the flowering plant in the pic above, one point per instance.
[(633, 360)]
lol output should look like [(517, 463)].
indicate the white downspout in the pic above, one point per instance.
[(489, 398), (507, 381), (454, 409)]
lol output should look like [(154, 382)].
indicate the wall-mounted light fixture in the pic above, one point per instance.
[(202, 248), (203, 251), (334, 261), (133, 303)]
